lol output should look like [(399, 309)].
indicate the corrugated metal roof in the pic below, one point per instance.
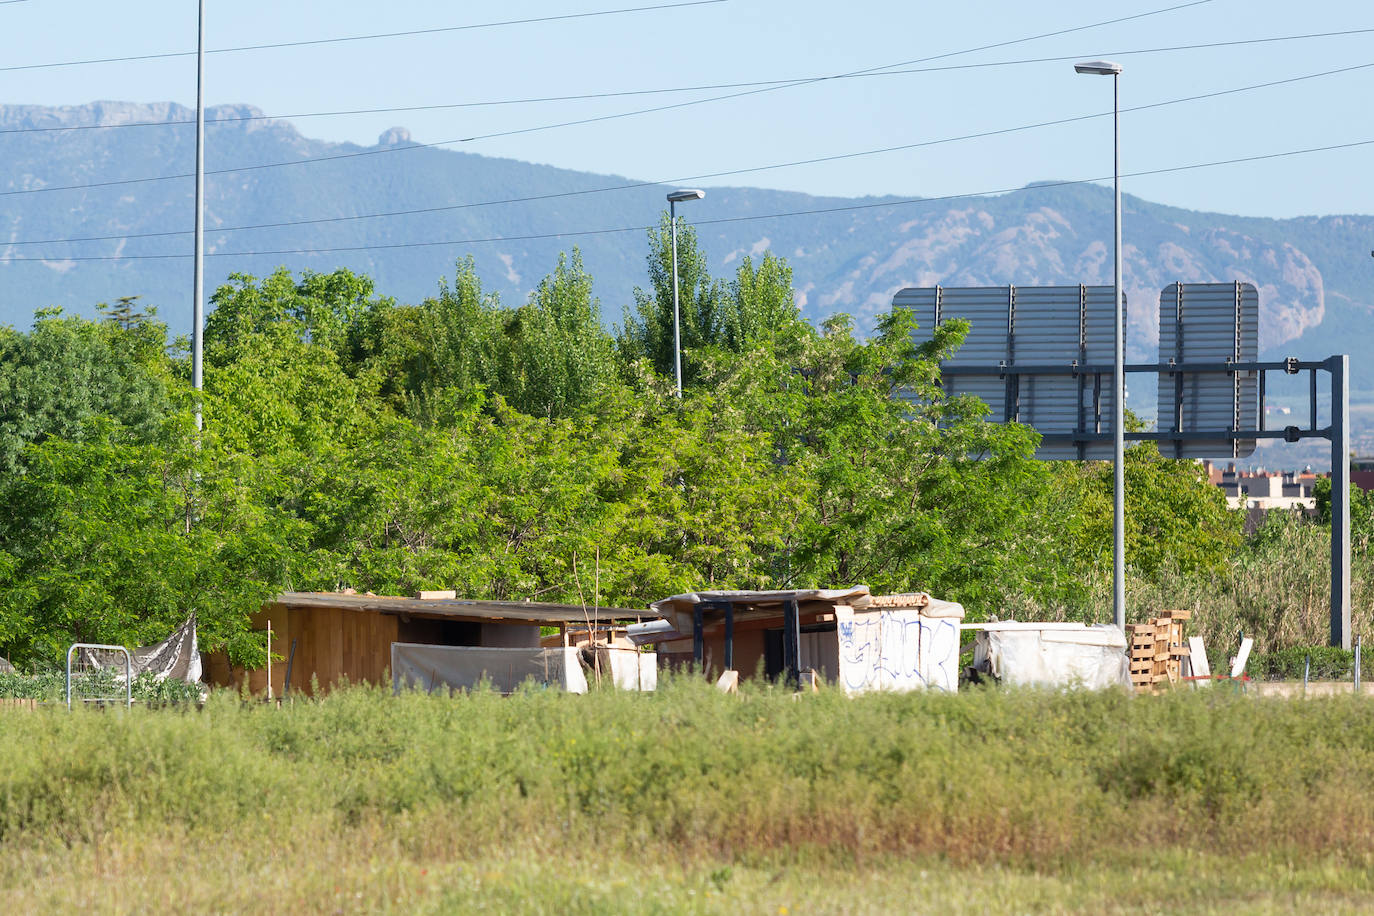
[(528, 612)]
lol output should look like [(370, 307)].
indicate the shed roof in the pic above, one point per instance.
[(534, 613), (769, 602), (756, 605)]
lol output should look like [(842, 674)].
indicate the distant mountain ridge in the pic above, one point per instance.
[(1314, 274)]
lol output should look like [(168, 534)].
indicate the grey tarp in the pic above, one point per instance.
[(428, 667)]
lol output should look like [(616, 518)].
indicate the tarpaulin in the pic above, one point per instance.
[(1053, 655), (176, 657), (428, 667)]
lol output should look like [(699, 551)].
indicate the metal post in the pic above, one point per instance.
[(269, 659), (791, 642), (290, 660), (698, 637), (1306, 670), (1119, 390), (1357, 664), (128, 670), (198, 282), (729, 636), (1340, 500), (677, 333)]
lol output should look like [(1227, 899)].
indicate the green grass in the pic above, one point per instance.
[(687, 800)]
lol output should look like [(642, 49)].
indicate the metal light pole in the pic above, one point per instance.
[(1108, 68), (673, 200), (198, 281)]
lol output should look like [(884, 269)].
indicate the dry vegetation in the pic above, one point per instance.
[(1276, 590), (687, 800)]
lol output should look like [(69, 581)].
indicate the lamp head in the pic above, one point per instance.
[(1099, 67), (678, 197)]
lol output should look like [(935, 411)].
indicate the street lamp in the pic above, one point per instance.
[(1109, 68), (674, 199)]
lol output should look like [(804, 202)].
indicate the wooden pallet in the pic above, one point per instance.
[(1157, 649)]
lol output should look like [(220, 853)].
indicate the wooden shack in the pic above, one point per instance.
[(848, 637), (326, 637)]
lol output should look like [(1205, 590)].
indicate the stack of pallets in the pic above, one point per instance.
[(1158, 650)]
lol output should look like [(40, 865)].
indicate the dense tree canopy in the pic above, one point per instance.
[(526, 452)]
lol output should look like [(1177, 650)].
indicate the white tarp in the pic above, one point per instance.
[(1053, 655), (628, 669), (176, 657), (427, 667), (899, 649)]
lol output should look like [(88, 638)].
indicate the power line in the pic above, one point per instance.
[(721, 220), (1054, 34), (376, 35), (667, 107), (660, 108), (781, 83), (721, 174)]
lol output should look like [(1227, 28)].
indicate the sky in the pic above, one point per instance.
[(956, 92)]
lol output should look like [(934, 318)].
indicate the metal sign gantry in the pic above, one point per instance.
[(1177, 377)]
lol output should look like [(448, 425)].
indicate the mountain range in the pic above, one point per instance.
[(65, 175)]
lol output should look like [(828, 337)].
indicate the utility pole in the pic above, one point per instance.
[(198, 281)]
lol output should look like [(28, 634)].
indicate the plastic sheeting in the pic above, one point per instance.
[(176, 657), (428, 668), (899, 649), (627, 669), (1053, 655)]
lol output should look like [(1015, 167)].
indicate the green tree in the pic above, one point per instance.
[(417, 352), (113, 540), (1361, 512), (761, 304), (648, 329), (1175, 519), (556, 357), (320, 308), (68, 371)]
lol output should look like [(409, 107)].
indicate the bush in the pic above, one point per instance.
[(1329, 663), (51, 687)]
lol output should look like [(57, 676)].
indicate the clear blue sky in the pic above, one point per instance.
[(745, 40)]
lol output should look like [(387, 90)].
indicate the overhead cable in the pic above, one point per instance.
[(815, 211), (682, 179), (376, 35), (625, 114), (871, 71), (442, 143)]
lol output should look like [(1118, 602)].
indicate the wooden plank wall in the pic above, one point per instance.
[(334, 643), (330, 643)]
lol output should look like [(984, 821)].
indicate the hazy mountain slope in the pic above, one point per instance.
[(1315, 275)]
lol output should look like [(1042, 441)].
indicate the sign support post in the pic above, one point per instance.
[(1339, 367)]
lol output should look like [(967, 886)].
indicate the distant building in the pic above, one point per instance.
[(1260, 491), (1362, 473)]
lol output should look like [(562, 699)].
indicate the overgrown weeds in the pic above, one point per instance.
[(1019, 778), (50, 686)]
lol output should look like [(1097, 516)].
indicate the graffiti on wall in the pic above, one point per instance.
[(898, 650)]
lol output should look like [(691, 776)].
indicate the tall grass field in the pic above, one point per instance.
[(688, 800)]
